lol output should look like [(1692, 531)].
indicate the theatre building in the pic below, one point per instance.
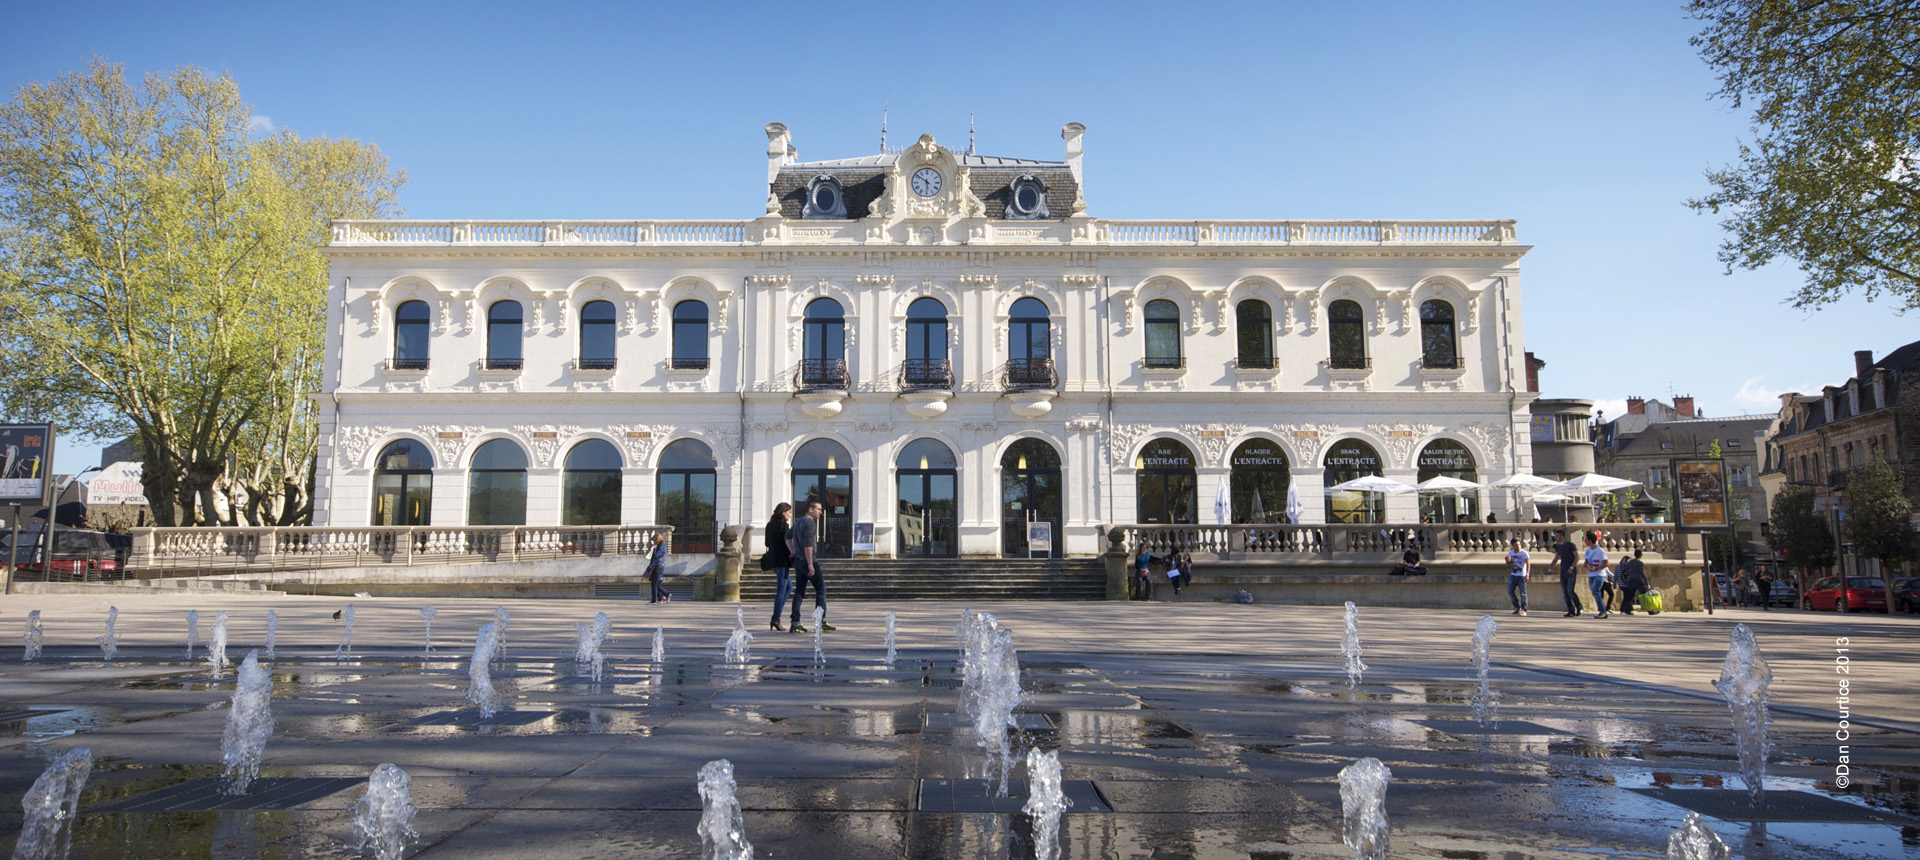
[(944, 345)]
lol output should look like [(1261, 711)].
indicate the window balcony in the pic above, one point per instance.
[(406, 364), (1257, 362), (509, 364), (1164, 362), (1440, 362), (926, 374), (822, 374), (1025, 374), (685, 363), (595, 363), (1350, 362)]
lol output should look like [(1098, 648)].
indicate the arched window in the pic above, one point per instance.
[(497, 485), (1029, 493), (596, 336), (503, 335), (403, 485), (1030, 345), (1437, 347), (822, 472), (684, 495), (928, 520), (1163, 334), (926, 365), (1346, 460), (410, 336), (1167, 483), (823, 362), (1346, 336), (590, 487), (1259, 482), (1446, 458), (1253, 324), (690, 335)]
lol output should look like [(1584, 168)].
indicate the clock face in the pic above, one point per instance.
[(926, 182)]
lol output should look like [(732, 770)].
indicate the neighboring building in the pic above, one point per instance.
[(1642, 445), (1818, 439), (943, 344)]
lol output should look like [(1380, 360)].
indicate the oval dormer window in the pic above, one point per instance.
[(1028, 199), (825, 198)]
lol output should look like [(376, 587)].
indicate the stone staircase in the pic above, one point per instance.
[(947, 579)]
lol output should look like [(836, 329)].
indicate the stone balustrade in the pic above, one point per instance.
[(229, 550), (409, 233), (1438, 543)]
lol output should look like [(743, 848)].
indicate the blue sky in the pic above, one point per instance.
[(1590, 123)]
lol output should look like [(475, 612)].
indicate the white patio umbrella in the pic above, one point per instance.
[(1371, 484), (1294, 507), (1525, 482), (1444, 484), (1590, 483), (1222, 504)]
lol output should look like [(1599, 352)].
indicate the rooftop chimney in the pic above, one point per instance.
[(1636, 406), (1863, 364), (780, 152), (1684, 406), (1073, 133), (1533, 373)]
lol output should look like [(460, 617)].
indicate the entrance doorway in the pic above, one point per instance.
[(1167, 483), (822, 472), (1029, 493), (927, 519)]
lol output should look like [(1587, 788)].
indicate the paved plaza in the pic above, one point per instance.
[(1189, 730)]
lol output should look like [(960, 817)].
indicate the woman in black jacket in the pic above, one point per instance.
[(779, 559)]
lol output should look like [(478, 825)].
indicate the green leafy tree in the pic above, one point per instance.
[(1832, 177), (1797, 532), (1877, 514), (160, 277)]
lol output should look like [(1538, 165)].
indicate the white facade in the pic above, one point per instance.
[(756, 278)]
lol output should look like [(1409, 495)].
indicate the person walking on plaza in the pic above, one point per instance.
[(806, 562), (656, 568), (1597, 573), (1517, 573), (1565, 556), (1633, 582), (1763, 589), (779, 560)]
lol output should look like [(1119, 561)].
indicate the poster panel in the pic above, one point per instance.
[(1700, 488), (1039, 538), (863, 537), (26, 461)]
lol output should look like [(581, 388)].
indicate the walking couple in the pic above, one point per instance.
[(793, 556)]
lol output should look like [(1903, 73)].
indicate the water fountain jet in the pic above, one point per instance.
[(249, 724), (819, 625), (480, 689), (723, 831), (1693, 841), (1350, 646), (217, 650), (193, 632), (426, 618), (383, 817), (891, 651), (659, 645), (345, 648), (1045, 802), (1744, 680), (109, 642), (1363, 804), (1486, 703), (33, 637), (52, 805), (273, 629)]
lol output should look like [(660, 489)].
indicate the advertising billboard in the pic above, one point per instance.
[(118, 484), (1700, 491), (26, 462)]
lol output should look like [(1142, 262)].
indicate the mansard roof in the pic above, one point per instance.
[(991, 179)]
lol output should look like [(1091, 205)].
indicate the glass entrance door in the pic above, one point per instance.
[(927, 521), (834, 492), (1029, 493)]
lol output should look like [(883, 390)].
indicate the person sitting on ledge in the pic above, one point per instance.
[(1410, 562)]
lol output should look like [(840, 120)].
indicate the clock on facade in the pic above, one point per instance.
[(926, 182)]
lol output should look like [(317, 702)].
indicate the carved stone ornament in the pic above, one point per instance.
[(653, 311), (777, 428), (631, 318), (376, 311), (1080, 281), (881, 208), (970, 205), (638, 439), (1379, 318), (1125, 298), (545, 440), (1213, 439), (1120, 439), (443, 317), (1219, 311), (448, 440), (351, 445), (874, 427), (1312, 298), (721, 312), (1400, 438), (538, 318), (982, 426), (881, 281), (468, 322), (1082, 425), (1286, 315), (1405, 299), (560, 313), (1472, 320), (727, 448), (924, 151), (1492, 439), (771, 281)]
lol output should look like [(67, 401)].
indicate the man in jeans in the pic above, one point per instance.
[(806, 567), (1565, 557), (1517, 573)]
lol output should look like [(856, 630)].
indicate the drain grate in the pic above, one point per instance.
[(941, 682), (1503, 727), (946, 722), (472, 718), (21, 715), (1800, 806), (977, 795), (203, 795)]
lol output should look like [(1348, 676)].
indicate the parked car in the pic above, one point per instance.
[(1862, 594), (78, 555), (1786, 592), (1906, 595)]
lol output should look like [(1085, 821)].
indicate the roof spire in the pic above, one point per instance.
[(969, 132), (883, 128)]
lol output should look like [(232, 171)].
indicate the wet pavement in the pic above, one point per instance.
[(1188, 731)]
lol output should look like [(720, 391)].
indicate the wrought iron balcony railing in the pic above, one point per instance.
[(1440, 362), (1257, 362), (817, 374), (501, 364), (1029, 373), (1166, 362), (595, 363), (406, 364), (926, 374), (1349, 362), (683, 363)]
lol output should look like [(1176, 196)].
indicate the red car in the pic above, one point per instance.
[(1863, 594)]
